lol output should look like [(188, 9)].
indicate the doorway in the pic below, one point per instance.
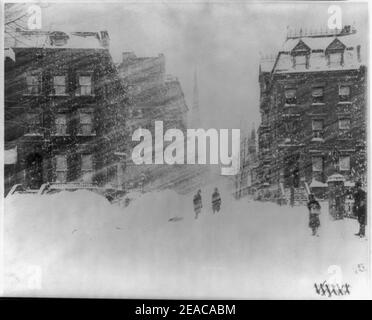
[(292, 170), (34, 170)]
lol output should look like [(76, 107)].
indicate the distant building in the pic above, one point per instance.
[(313, 111), (153, 95), (64, 109), (246, 180)]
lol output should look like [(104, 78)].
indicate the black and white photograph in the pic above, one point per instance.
[(185, 150)]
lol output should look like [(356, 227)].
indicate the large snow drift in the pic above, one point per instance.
[(78, 244)]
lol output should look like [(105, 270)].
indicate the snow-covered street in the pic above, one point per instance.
[(81, 245)]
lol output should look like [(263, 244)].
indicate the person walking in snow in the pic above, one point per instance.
[(216, 201), (197, 203), (360, 208), (314, 212)]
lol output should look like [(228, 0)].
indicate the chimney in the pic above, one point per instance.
[(104, 39)]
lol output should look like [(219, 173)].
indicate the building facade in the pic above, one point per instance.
[(154, 96), (313, 111), (245, 181), (64, 109)]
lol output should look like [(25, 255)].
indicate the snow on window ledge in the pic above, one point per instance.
[(86, 134), (317, 139), (58, 94), (33, 134), (31, 94), (318, 104), (85, 95)]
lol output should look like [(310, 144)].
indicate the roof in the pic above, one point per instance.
[(317, 184), (336, 177), (266, 65), (58, 39), (317, 57)]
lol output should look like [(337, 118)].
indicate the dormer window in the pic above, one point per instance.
[(300, 55), (335, 53), (335, 59), (300, 62)]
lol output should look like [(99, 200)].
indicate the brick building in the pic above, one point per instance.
[(64, 109), (313, 111)]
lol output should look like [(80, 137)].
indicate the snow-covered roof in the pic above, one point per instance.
[(266, 65), (57, 39), (317, 184), (318, 60), (336, 177)]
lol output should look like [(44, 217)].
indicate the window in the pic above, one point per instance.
[(86, 124), (61, 124), (344, 124), (59, 85), (317, 164), (33, 84), (300, 62), (61, 168), (344, 163), (33, 123), (335, 59), (87, 166), (344, 93), (317, 95), (290, 96), (85, 85), (317, 125)]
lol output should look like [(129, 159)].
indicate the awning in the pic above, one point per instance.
[(10, 156)]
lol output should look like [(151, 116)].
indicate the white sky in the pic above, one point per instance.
[(222, 39)]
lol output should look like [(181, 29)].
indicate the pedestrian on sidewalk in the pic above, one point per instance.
[(314, 212), (197, 203), (360, 208), (216, 201)]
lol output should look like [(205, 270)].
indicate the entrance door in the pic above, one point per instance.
[(34, 170), (292, 170)]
